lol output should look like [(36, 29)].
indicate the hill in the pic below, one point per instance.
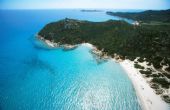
[(145, 16), (151, 43)]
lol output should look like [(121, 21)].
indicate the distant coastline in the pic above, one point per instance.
[(154, 17), (85, 10)]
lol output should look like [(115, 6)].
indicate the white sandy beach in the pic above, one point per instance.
[(146, 95), (88, 45), (148, 99)]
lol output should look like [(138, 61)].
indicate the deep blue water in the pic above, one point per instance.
[(33, 77)]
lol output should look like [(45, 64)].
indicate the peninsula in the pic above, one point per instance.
[(149, 16), (146, 45)]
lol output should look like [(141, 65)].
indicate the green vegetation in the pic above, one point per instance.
[(141, 60), (138, 66), (157, 75), (166, 98), (149, 42), (167, 75), (162, 81), (154, 86), (155, 61), (167, 61), (150, 16), (147, 73)]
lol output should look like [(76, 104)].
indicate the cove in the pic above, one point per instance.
[(33, 76)]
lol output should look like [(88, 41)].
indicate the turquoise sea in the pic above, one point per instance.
[(34, 77)]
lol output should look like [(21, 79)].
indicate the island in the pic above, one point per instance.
[(146, 46), (85, 10)]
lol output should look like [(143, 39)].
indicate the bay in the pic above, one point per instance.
[(33, 77)]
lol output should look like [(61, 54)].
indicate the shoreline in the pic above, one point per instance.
[(148, 99), (56, 45), (146, 95)]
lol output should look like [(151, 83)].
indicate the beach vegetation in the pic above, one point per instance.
[(146, 72), (138, 66), (162, 81), (149, 41)]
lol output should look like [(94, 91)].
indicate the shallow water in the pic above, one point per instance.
[(34, 77)]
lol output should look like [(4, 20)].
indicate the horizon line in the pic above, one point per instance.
[(83, 8)]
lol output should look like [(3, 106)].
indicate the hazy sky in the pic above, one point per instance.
[(115, 4)]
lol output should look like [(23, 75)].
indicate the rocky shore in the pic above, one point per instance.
[(147, 71), (150, 94), (52, 44)]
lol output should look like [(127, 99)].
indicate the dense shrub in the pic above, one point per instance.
[(166, 98), (157, 75), (168, 69), (162, 81), (141, 60), (138, 66), (145, 72), (156, 61), (167, 75), (146, 16)]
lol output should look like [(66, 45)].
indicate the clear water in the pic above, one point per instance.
[(33, 77)]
